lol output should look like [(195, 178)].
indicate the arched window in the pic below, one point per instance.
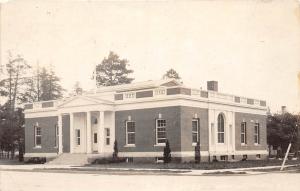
[(221, 131)]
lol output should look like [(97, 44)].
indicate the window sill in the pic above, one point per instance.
[(160, 145), (129, 146), (37, 147), (256, 144), (195, 144), (243, 144)]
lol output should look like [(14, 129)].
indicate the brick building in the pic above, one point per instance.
[(141, 117)]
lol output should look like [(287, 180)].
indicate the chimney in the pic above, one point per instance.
[(212, 86), (283, 109)]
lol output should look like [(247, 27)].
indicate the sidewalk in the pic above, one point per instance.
[(188, 172)]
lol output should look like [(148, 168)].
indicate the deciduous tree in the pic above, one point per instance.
[(112, 71), (171, 74)]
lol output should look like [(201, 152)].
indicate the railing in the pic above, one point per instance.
[(194, 93), (164, 92), (42, 105)]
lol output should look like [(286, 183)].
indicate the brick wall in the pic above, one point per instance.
[(47, 125), (187, 115), (145, 128), (250, 120)]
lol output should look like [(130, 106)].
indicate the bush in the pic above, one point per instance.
[(167, 153), (109, 160), (197, 153), (36, 160)]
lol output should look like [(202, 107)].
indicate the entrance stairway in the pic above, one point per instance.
[(70, 159)]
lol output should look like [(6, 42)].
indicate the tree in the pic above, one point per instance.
[(14, 79), (283, 129), (167, 153), (11, 131), (112, 71), (50, 87), (116, 150), (77, 90), (171, 74), (197, 153)]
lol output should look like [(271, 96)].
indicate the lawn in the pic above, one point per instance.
[(203, 165)]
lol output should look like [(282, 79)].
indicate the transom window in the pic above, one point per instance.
[(78, 136), (243, 133), (161, 131), (130, 132), (256, 133), (221, 131), (195, 130), (37, 136)]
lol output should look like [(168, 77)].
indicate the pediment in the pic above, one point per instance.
[(83, 101)]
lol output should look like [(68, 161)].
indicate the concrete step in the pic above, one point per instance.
[(70, 159)]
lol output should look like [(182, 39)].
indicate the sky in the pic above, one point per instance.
[(251, 47)]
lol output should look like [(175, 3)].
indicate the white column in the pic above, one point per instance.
[(88, 132), (72, 132), (101, 132), (60, 143)]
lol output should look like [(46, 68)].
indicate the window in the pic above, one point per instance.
[(37, 136), (130, 95), (160, 92), (256, 133), (56, 135), (107, 136), (130, 133), (243, 133), (161, 131), (195, 130), (258, 156), (221, 131), (95, 138), (223, 157), (78, 136)]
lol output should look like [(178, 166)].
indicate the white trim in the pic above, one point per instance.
[(27, 155), (160, 154), (156, 132), (195, 132), (257, 135), (244, 134), (160, 145), (130, 145), (36, 135), (127, 133), (252, 152)]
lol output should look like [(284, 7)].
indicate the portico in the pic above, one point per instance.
[(91, 125)]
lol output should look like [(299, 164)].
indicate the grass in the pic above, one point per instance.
[(203, 165)]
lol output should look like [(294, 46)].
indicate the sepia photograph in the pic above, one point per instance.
[(124, 95)]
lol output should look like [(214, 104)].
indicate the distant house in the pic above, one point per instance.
[(142, 116)]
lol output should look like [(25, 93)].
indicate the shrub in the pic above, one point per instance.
[(116, 150), (108, 160), (36, 160), (197, 153), (167, 153)]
